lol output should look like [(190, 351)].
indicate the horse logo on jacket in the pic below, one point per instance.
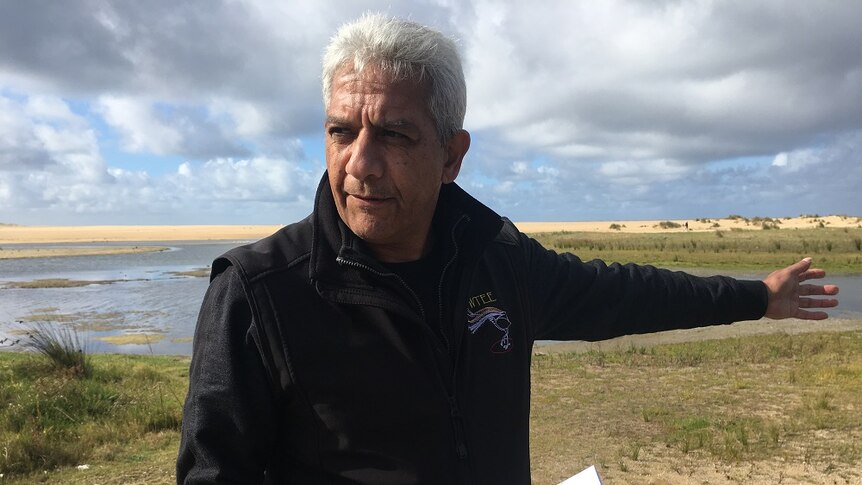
[(498, 319)]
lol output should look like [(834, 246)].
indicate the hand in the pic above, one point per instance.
[(788, 298)]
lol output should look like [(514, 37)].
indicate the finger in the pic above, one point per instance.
[(815, 273), (801, 266), (817, 303), (806, 315), (808, 290)]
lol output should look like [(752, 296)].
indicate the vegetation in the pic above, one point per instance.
[(836, 250), (669, 225), (61, 345), (121, 421), (767, 401), (719, 403), (55, 283)]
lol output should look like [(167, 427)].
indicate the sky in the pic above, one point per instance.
[(210, 112)]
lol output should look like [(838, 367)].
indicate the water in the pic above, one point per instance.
[(146, 297)]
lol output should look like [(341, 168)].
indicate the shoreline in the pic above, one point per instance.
[(15, 234)]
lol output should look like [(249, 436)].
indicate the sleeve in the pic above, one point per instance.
[(575, 300), (228, 419)]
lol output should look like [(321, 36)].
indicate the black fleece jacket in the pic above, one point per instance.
[(313, 363)]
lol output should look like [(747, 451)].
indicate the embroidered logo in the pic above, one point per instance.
[(498, 319)]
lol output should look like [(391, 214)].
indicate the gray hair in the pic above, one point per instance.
[(405, 50)]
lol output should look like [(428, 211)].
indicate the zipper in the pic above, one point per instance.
[(458, 426), (448, 344), (355, 264), (454, 411)]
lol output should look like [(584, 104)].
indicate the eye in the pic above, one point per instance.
[(338, 131), (394, 134)]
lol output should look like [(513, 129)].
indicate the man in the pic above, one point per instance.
[(386, 338)]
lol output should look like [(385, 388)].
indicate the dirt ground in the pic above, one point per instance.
[(658, 464)]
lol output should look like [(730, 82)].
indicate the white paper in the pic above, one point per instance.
[(589, 476)]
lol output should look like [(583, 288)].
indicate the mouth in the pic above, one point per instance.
[(369, 200)]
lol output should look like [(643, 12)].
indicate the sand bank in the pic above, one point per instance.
[(81, 234), (54, 252)]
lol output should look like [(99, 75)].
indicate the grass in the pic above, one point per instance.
[(835, 250), (61, 345), (122, 421), (761, 401), (769, 401)]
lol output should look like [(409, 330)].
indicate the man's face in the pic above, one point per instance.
[(386, 162)]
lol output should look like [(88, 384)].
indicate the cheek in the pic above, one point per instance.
[(333, 160)]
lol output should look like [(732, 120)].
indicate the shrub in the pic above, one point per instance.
[(615, 227), (669, 225)]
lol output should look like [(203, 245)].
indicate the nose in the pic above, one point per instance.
[(366, 157)]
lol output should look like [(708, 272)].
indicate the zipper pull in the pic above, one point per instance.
[(458, 426)]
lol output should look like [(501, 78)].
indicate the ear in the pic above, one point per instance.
[(456, 149)]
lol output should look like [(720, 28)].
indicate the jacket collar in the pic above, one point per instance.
[(457, 215)]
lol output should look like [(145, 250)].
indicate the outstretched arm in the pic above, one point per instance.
[(788, 297)]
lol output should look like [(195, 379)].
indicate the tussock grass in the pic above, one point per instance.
[(836, 250), (61, 345)]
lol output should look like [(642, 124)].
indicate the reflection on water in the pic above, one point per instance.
[(148, 300)]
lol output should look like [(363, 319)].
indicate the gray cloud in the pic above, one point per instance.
[(578, 109)]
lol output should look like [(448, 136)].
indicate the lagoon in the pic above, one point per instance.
[(142, 295)]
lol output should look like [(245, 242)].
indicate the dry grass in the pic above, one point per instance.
[(742, 410)]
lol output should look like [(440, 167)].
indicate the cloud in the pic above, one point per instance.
[(257, 179), (692, 81), (171, 130), (577, 109)]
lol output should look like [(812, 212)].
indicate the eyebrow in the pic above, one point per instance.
[(397, 123)]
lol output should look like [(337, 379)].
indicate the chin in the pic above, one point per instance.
[(373, 233)]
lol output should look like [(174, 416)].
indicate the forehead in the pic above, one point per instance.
[(374, 90)]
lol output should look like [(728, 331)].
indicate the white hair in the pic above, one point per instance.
[(405, 50)]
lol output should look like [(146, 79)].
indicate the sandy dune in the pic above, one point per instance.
[(11, 234)]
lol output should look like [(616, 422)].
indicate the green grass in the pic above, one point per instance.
[(835, 250), (123, 418)]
